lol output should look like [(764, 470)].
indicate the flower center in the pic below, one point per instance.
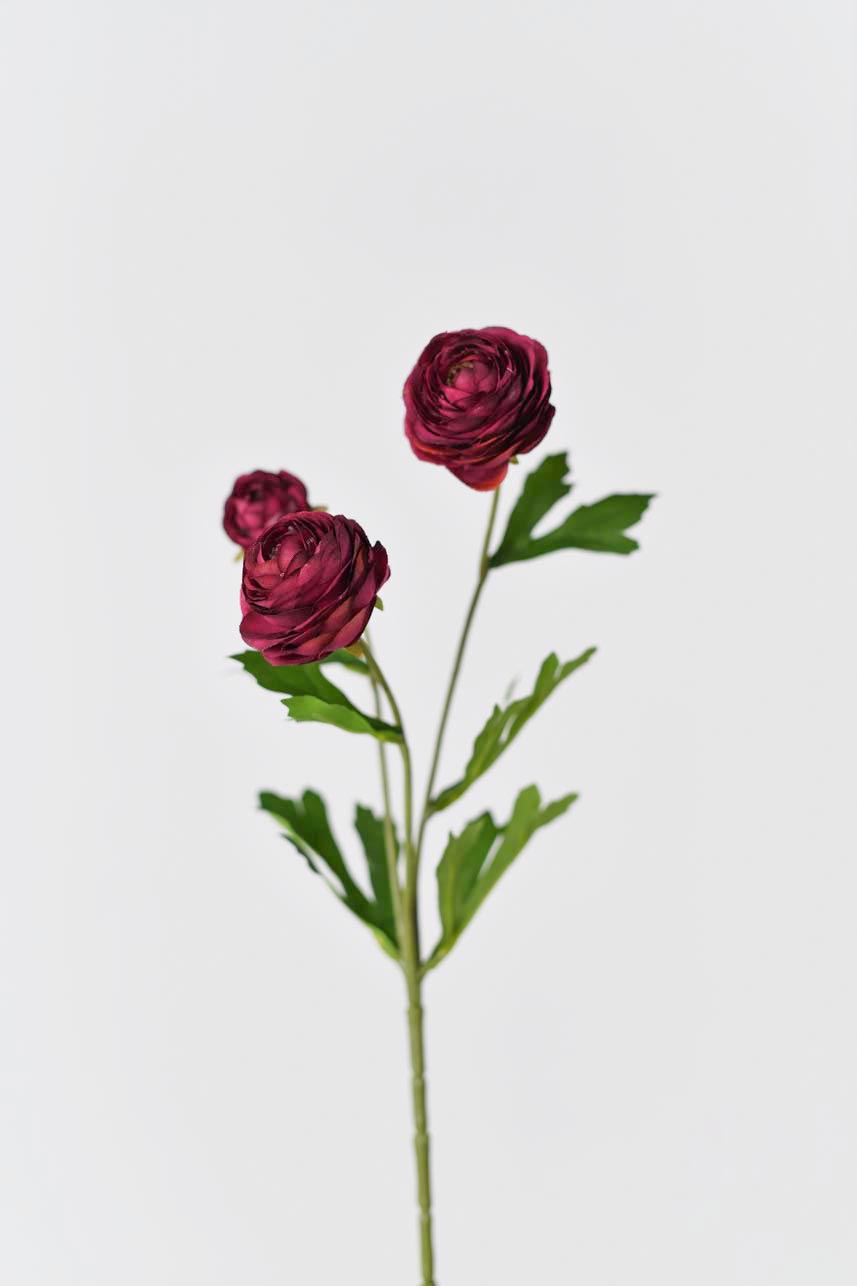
[(470, 376)]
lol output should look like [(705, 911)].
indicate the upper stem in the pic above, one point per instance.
[(456, 666)]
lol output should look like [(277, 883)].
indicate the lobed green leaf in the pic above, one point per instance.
[(297, 678), (308, 829), (543, 487), (371, 831), (345, 657), (311, 709), (598, 527), (504, 724), (474, 861), (312, 698)]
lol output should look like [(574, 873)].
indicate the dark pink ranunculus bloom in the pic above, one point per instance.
[(257, 499), (476, 398), (309, 587)]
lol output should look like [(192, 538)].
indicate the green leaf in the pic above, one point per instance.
[(474, 861), (312, 697), (504, 724), (371, 831), (309, 709), (307, 828), (458, 869), (542, 488), (344, 657), (527, 817), (307, 679), (599, 527)]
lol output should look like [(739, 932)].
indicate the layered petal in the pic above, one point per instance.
[(309, 587), (475, 399), (258, 498)]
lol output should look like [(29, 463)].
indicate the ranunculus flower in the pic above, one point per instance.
[(257, 499), (309, 587), (476, 398)]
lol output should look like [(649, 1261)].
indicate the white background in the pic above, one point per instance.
[(227, 232)]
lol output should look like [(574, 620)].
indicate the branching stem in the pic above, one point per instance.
[(406, 897)]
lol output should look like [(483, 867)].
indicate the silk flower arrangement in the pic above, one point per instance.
[(475, 401)]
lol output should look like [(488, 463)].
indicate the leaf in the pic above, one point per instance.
[(459, 868), (473, 862), (599, 527), (344, 656), (371, 831), (306, 680), (504, 724), (307, 828), (527, 817), (309, 709), (542, 488), (312, 697), (298, 678)]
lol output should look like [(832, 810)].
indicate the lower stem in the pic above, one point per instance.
[(406, 900), (416, 1023), (406, 903)]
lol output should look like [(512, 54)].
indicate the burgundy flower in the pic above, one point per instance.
[(309, 587), (476, 398), (257, 499)]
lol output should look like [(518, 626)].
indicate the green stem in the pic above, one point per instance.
[(456, 666), (416, 1022), (389, 830), (412, 969)]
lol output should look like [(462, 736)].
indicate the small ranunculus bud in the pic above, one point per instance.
[(309, 587), (257, 499), (475, 399)]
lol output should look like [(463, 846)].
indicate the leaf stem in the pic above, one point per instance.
[(412, 969), (456, 666)]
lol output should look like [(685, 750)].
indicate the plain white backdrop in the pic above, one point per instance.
[(227, 232)]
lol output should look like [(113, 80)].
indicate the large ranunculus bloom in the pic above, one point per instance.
[(257, 499), (309, 587), (476, 398)]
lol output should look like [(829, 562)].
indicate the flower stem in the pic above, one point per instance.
[(389, 829), (456, 666), (409, 946)]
